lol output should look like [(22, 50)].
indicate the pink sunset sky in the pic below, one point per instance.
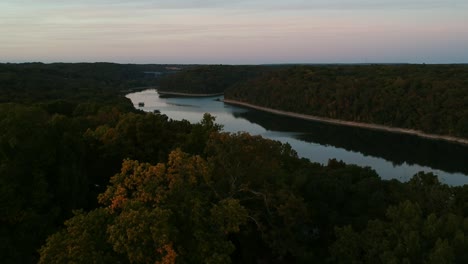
[(234, 32)]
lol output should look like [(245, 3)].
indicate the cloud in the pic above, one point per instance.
[(361, 4), (242, 30), (253, 4)]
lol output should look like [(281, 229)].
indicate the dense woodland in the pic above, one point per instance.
[(86, 178), (430, 98), (210, 79)]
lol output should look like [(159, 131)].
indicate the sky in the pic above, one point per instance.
[(235, 31)]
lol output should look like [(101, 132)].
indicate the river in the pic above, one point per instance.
[(390, 155)]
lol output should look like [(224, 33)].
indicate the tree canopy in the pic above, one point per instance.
[(430, 98), (209, 79), (86, 178)]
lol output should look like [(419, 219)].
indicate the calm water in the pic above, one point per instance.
[(391, 155)]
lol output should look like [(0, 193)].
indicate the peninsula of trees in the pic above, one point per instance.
[(428, 98)]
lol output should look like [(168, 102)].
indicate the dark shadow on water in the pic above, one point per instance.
[(396, 148), (183, 105)]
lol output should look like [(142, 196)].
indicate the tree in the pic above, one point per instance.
[(160, 213), (83, 241), (406, 236)]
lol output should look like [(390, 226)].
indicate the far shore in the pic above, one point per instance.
[(138, 89), (351, 123), (166, 93)]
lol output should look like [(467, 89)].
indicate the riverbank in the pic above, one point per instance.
[(351, 123), (138, 89), (166, 93)]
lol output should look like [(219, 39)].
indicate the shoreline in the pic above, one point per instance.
[(165, 93), (138, 89), (461, 141)]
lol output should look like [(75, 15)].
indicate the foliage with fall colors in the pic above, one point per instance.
[(64, 130), (246, 199)]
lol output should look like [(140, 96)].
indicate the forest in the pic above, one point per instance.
[(210, 79), (428, 98), (87, 178)]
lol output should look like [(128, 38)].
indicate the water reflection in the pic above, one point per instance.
[(396, 148), (391, 155)]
